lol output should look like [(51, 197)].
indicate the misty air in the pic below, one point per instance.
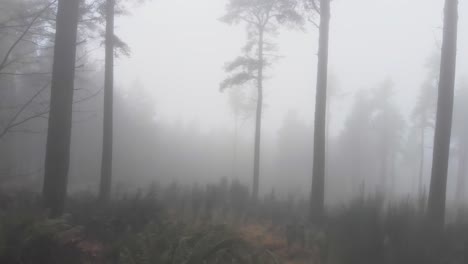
[(233, 131)]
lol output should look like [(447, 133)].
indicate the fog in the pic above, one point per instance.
[(178, 57), (372, 41), (233, 131), (172, 123)]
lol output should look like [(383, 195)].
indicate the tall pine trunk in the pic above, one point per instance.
[(60, 117), (258, 118), (318, 178), (437, 192), (106, 163)]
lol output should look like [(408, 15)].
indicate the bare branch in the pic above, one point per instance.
[(12, 123), (10, 50), (311, 20), (88, 97)]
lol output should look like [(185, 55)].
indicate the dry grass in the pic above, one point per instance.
[(273, 239)]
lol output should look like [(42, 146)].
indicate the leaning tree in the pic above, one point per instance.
[(438, 188)]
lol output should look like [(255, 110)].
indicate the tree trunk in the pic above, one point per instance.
[(318, 178), (60, 117), (437, 193), (106, 165), (258, 119)]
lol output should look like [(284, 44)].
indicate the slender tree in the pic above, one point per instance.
[(60, 116), (241, 107), (389, 126), (262, 18), (317, 196), (424, 115), (437, 192), (106, 165)]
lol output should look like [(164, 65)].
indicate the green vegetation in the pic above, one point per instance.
[(155, 227)]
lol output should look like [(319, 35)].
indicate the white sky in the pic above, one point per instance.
[(179, 48)]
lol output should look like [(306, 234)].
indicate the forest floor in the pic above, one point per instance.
[(263, 236), (140, 230), (270, 238)]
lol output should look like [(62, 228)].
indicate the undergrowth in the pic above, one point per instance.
[(138, 229)]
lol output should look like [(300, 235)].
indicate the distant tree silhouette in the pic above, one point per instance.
[(262, 18), (60, 117), (423, 115), (388, 125), (438, 188), (241, 108), (355, 135), (294, 150), (376, 128)]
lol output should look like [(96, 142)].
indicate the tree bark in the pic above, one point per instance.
[(258, 119), (437, 193), (60, 117), (318, 177), (107, 137)]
